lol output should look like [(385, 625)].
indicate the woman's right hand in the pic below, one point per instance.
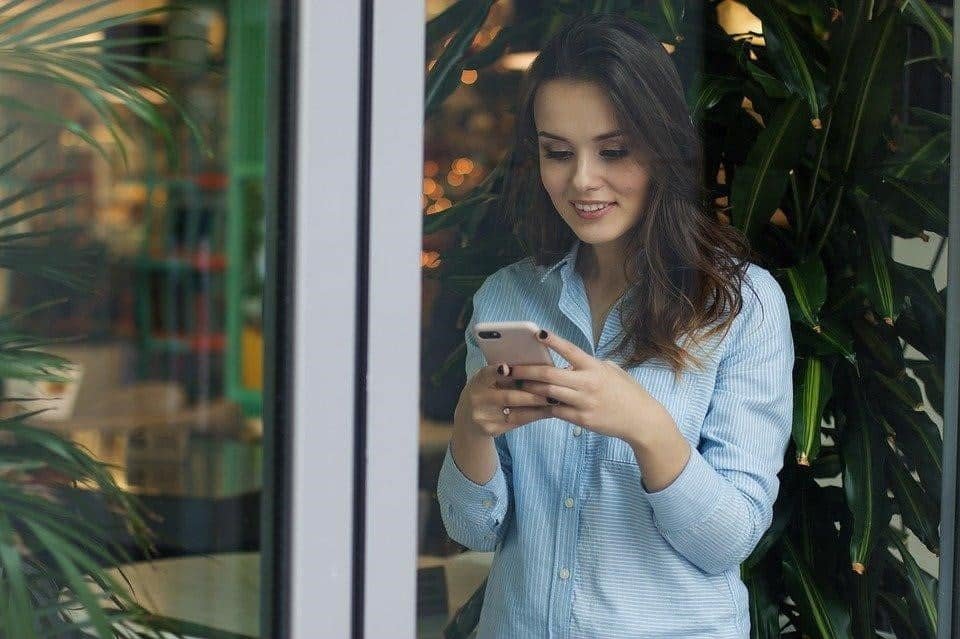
[(479, 412)]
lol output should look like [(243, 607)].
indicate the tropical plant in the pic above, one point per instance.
[(55, 577), (808, 154)]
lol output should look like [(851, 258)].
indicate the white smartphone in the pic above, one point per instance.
[(511, 343)]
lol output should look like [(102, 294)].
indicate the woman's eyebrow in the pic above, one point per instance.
[(602, 136)]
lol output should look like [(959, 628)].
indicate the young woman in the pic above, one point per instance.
[(622, 488)]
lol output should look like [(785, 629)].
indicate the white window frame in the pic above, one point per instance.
[(356, 316)]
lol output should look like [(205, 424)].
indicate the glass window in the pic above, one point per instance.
[(133, 205)]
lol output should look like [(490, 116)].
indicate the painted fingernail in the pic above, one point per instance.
[(552, 401), (542, 334), (519, 383)]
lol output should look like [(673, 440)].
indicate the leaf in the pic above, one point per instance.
[(832, 339), (919, 511), (896, 608), (764, 608), (864, 480), (877, 345), (772, 86), (813, 387), (707, 93), (931, 374), (759, 185), (786, 54), (903, 389), (923, 599), (907, 198), (672, 17), (17, 619), (823, 615), (864, 101), (920, 13), (920, 440), (917, 284), (874, 272), (806, 291)]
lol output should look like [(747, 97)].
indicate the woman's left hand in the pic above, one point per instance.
[(596, 394)]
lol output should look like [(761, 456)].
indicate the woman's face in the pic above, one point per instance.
[(580, 164)]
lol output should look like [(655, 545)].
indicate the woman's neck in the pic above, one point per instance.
[(601, 269)]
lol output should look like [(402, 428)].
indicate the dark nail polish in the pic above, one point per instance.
[(519, 383), (502, 369), (542, 334), (552, 401)]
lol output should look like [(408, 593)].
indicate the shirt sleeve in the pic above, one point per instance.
[(475, 515), (716, 510)]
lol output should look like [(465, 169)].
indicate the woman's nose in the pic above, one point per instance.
[(586, 175)]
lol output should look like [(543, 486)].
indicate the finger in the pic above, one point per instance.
[(515, 398), (519, 417), (563, 377), (493, 373), (562, 394), (568, 350)]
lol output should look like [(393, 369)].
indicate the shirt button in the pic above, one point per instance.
[(487, 503), (568, 502), (576, 431), (564, 573)]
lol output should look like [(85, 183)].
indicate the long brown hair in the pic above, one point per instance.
[(690, 265)]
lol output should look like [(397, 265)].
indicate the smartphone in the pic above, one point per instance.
[(511, 343)]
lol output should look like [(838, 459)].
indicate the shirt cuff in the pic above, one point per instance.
[(459, 495), (691, 498)]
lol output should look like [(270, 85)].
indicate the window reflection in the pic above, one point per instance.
[(134, 137)]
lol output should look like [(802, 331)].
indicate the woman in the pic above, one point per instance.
[(622, 488)]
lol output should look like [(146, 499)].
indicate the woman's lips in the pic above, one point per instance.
[(593, 215)]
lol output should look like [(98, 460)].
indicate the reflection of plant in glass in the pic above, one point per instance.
[(54, 578), (804, 154)]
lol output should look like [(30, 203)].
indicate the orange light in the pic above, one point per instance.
[(429, 259), (454, 179), (429, 186), (469, 76), (430, 168), (463, 166)]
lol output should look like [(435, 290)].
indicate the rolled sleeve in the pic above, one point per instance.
[(473, 514), (721, 503)]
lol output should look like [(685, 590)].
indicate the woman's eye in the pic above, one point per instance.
[(608, 154), (615, 154)]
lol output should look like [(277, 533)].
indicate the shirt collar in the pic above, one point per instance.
[(569, 258)]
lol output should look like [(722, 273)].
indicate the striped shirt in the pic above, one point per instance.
[(582, 550)]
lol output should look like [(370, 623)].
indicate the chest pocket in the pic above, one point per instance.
[(676, 396)]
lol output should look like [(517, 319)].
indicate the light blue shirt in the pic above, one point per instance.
[(582, 549)]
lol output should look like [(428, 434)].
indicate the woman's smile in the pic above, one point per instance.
[(593, 211)]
